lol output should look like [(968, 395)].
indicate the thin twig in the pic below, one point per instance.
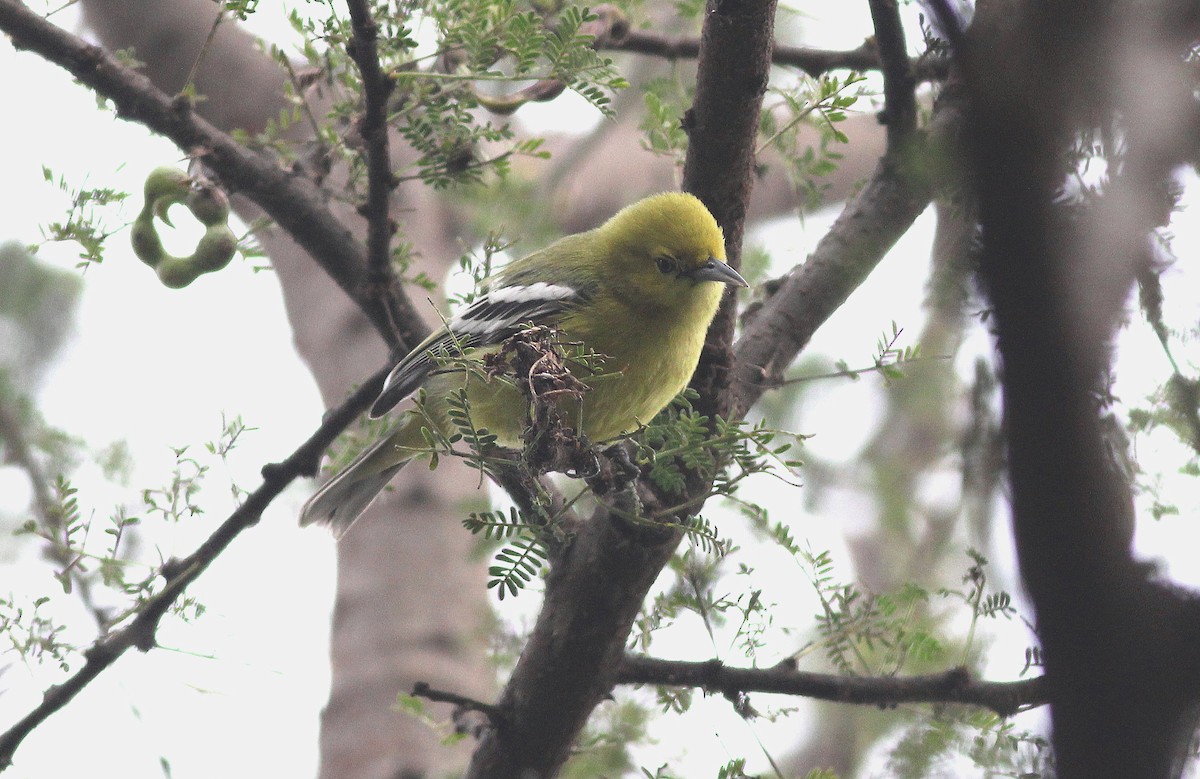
[(423, 690), (854, 373), (800, 117), (300, 87), (141, 631), (190, 81)]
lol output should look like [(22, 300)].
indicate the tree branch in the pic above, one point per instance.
[(290, 199), (953, 686), (798, 303), (611, 31), (814, 62), (178, 574), (895, 195), (899, 85), (593, 594), (373, 127), (722, 127), (1118, 642), (461, 702)]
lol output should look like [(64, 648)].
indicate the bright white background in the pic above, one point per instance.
[(238, 692)]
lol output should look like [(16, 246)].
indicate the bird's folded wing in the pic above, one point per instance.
[(492, 318)]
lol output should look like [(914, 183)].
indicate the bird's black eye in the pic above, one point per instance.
[(665, 264)]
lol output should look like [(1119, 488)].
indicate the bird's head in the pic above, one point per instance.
[(670, 249)]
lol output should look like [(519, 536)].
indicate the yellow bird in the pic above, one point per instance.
[(640, 290)]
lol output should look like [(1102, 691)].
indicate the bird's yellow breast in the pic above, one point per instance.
[(630, 390)]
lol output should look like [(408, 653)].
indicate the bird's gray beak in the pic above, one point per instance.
[(715, 270)]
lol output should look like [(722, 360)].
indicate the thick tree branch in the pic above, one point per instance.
[(373, 127), (954, 686), (896, 194), (290, 199), (593, 594), (722, 126), (178, 574), (1119, 645)]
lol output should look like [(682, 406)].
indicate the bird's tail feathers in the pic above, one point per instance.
[(344, 497)]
